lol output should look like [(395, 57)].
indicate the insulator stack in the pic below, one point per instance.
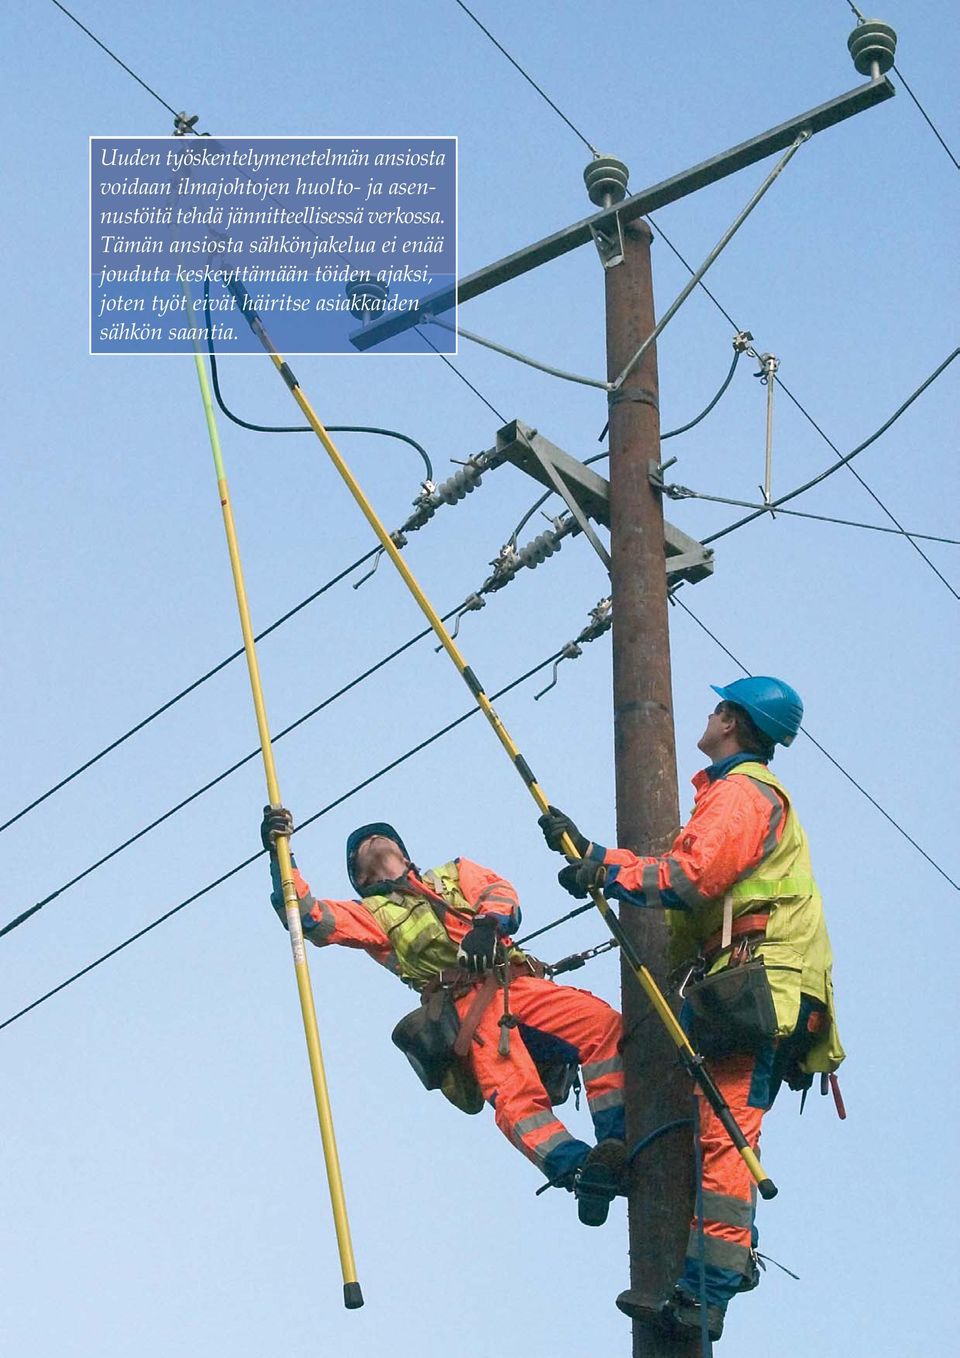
[(449, 492), (532, 554), (367, 295), (606, 181), (873, 47)]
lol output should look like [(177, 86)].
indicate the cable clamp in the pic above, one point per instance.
[(741, 341), (655, 472), (769, 364), (183, 126), (469, 605)]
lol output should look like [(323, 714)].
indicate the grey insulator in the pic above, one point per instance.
[(538, 549), (606, 180), (367, 294), (461, 483), (873, 42)]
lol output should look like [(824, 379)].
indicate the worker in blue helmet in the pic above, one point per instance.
[(737, 887)]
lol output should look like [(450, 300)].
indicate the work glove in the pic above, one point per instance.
[(277, 820), (478, 948), (581, 877), (555, 825)]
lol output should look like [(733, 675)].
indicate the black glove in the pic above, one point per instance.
[(478, 948), (555, 825), (277, 820), (581, 877)]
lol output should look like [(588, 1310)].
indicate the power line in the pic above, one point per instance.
[(903, 80), (598, 457), (807, 416), (220, 777), (232, 872), (113, 56), (529, 79), (684, 493), (295, 428), (844, 460), (426, 339), (165, 707), (849, 777)]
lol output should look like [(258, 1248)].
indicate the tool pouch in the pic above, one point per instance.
[(426, 1037), (731, 1011)]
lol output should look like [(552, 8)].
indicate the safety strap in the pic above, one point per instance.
[(743, 924), (468, 1024), (726, 932)]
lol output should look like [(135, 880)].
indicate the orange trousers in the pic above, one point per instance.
[(577, 1020)]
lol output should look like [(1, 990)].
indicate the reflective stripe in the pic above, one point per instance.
[(720, 1253), (540, 1152), (612, 1099), (594, 1069), (776, 816), (651, 886), (491, 893), (533, 1121), (318, 929), (728, 1209), (765, 890), (681, 884)]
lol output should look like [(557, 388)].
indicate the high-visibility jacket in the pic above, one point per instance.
[(414, 931), (744, 842)]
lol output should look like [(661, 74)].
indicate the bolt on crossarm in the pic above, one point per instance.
[(352, 1294), (688, 1056)]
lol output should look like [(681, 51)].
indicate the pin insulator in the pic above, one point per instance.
[(872, 42), (606, 180), (367, 294)]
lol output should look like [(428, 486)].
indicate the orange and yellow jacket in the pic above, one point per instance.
[(743, 847), (414, 931)]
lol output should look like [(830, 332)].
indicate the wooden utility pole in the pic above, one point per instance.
[(657, 1090)]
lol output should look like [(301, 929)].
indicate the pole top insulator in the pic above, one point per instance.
[(873, 44), (367, 295), (183, 125), (606, 180)]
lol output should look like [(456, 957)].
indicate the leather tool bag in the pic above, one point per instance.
[(731, 1010)]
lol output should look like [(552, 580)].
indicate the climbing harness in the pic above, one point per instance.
[(352, 1294), (691, 1061)]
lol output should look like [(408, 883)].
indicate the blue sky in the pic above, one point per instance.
[(164, 1187)]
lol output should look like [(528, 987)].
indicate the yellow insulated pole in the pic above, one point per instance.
[(352, 1295), (692, 1062)]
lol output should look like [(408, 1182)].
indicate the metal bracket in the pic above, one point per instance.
[(608, 238), (588, 493), (544, 456)]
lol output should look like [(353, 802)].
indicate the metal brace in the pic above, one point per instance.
[(609, 242)]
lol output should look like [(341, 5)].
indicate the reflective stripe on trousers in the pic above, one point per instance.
[(729, 1193), (512, 1083)]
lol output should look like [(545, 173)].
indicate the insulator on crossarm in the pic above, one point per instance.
[(606, 180), (873, 47)]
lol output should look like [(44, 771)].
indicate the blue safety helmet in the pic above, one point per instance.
[(355, 839), (774, 707)]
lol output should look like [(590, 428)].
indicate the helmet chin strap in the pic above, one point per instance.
[(389, 884)]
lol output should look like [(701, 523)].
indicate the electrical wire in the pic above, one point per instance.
[(849, 777), (903, 80), (472, 711), (598, 457), (807, 416), (844, 460), (220, 777), (589, 145), (295, 428), (427, 340), (518, 357), (803, 514), (165, 707), (114, 57)]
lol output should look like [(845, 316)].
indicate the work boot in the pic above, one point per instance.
[(681, 1313), (599, 1180)]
